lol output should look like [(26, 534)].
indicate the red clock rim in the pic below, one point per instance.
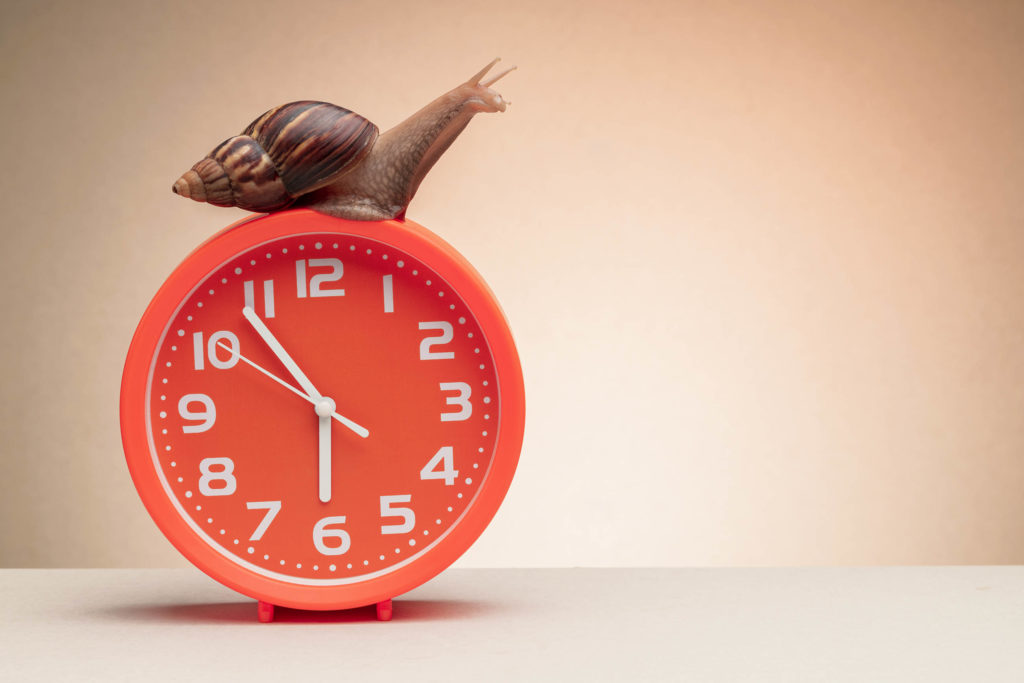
[(418, 242)]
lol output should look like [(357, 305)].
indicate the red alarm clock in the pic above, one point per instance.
[(322, 413)]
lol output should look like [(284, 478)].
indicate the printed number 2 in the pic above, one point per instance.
[(447, 334)]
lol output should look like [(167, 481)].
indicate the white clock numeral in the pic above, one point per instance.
[(316, 282), (389, 293), (407, 515), (205, 417), (320, 532), (224, 473), (446, 458), (462, 400), (268, 297), (211, 350), (447, 334), (272, 507)]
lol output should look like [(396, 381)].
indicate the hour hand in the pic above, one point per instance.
[(282, 355), (354, 426)]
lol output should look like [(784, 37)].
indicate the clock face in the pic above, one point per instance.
[(321, 408)]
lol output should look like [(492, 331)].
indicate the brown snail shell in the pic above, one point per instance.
[(287, 152)]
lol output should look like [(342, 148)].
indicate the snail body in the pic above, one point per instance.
[(330, 159)]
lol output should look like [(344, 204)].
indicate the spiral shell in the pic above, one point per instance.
[(288, 151)]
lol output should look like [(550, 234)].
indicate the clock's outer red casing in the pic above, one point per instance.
[(407, 236)]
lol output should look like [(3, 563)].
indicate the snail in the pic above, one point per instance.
[(332, 160)]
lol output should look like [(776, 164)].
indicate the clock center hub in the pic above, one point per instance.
[(325, 407)]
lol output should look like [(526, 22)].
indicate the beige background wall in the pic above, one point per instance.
[(765, 264)]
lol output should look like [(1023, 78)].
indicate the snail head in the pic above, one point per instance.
[(478, 94)]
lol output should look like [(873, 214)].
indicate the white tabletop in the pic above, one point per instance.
[(870, 624)]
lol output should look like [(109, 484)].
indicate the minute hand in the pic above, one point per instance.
[(281, 354)]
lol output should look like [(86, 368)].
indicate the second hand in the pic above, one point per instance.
[(355, 427)]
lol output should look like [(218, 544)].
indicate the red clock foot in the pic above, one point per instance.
[(264, 612), (384, 610)]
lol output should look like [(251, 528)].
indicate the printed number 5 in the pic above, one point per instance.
[(407, 515)]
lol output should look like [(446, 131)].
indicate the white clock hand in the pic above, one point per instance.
[(324, 409), (355, 427), (282, 355), (324, 405)]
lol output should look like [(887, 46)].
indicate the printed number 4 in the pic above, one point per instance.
[(446, 458)]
